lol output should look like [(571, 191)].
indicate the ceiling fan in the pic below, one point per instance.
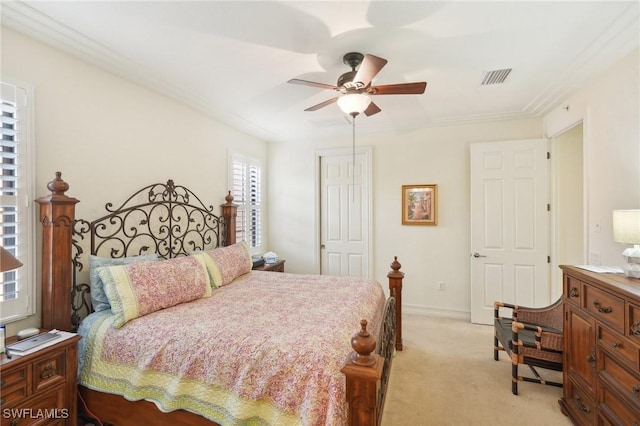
[(359, 82)]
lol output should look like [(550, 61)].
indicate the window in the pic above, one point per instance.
[(17, 290), (246, 188)]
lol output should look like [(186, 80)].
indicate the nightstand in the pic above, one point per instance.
[(278, 266), (40, 388)]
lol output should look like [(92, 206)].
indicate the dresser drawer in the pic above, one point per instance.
[(572, 289), (49, 370), (615, 375), (45, 409), (619, 346), (14, 386), (614, 410), (634, 323), (581, 405), (605, 307)]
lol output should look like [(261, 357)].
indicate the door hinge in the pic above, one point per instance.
[(548, 155), (548, 207), (548, 259)]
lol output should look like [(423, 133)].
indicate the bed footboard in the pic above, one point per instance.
[(368, 367)]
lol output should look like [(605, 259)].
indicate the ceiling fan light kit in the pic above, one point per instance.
[(353, 103), (355, 86)]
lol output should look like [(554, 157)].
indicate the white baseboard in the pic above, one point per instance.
[(436, 312)]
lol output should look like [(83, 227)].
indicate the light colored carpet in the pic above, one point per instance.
[(446, 375)]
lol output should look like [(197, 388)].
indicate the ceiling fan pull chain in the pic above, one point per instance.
[(353, 160)]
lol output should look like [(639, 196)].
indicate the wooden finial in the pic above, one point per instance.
[(363, 344), (58, 186), (229, 198), (395, 265)]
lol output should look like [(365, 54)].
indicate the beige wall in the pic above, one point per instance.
[(610, 109), (110, 137)]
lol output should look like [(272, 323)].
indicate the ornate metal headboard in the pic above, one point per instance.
[(166, 219)]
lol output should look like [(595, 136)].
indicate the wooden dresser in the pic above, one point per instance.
[(601, 372), (40, 388)]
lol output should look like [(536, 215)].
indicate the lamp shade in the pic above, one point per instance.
[(353, 103), (8, 261), (626, 226)]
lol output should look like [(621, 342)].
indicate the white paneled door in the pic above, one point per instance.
[(509, 226), (345, 213)]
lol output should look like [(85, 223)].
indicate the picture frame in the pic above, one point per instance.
[(420, 205)]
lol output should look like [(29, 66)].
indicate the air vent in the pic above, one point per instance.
[(495, 76)]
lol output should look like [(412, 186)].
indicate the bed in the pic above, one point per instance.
[(178, 329)]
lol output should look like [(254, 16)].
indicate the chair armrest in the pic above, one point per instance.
[(546, 338)]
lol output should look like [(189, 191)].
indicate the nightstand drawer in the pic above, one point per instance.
[(48, 371), (41, 410), (14, 387), (605, 307)]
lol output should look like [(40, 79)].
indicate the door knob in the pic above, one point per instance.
[(476, 255)]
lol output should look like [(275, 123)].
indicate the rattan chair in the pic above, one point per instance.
[(532, 337)]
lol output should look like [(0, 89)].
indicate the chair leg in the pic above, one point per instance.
[(514, 379), (495, 347)]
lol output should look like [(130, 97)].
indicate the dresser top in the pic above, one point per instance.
[(617, 283)]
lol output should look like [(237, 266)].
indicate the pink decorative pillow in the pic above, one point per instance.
[(225, 264), (141, 288)]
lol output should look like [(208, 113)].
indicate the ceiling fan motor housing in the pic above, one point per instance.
[(345, 81)]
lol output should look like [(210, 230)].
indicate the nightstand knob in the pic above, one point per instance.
[(49, 371)]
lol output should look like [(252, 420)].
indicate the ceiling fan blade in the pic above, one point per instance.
[(322, 104), (312, 83), (370, 66), (372, 109), (400, 89)]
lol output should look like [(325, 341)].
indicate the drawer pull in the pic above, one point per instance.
[(616, 345), (592, 358), (2, 401), (602, 310), (636, 390), (573, 292), (49, 371), (635, 328), (14, 422), (580, 405)]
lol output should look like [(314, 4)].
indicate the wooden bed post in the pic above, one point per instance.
[(229, 212), (395, 290), (57, 214), (363, 371)]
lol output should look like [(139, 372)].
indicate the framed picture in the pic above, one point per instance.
[(420, 205)]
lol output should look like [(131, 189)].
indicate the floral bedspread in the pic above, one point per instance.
[(266, 349)]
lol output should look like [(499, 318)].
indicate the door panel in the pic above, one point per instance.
[(509, 222), (344, 213)]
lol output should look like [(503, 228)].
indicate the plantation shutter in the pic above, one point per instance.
[(16, 228), (246, 183)]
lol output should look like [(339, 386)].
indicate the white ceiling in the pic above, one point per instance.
[(232, 59)]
